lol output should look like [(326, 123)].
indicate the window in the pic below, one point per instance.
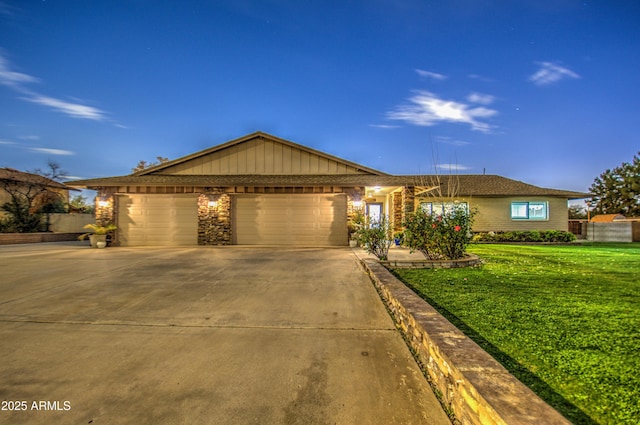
[(529, 210), (437, 208)]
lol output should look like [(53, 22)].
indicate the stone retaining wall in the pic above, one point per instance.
[(19, 238), (477, 389), (470, 260)]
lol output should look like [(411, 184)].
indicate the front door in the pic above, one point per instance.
[(374, 213)]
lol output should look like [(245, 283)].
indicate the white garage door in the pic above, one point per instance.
[(157, 220), (303, 220)]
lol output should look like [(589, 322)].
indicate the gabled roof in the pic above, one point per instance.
[(10, 174), (462, 184), (179, 173), (493, 185), (188, 164)]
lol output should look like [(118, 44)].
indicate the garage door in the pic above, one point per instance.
[(158, 220), (303, 220)]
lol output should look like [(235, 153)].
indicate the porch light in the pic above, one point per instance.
[(103, 201), (357, 204), (213, 201)]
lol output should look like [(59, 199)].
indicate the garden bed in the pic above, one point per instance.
[(469, 260)]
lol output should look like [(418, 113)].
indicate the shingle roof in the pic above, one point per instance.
[(21, 176), (466, 184), (607, 218)]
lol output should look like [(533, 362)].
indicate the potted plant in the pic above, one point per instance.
[(354, 225), (98, 235), (398, 238)]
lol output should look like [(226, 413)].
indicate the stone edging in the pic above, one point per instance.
[(469, 260), (471, 383), (20, 238)]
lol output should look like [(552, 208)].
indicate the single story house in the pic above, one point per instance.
[(35, 189), (264, 190)]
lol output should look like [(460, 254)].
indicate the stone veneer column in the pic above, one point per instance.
[(105, 209), (214, 222), (408, 202), (397, 211)]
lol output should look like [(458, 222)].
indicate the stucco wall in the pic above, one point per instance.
[(70, 222), (494, 214)]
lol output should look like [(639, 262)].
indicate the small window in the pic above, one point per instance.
[(529, 210)]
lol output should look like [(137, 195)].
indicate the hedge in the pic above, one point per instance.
[(525, 236)]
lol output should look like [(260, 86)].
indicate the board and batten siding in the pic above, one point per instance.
[(260, 156), (494, 214)]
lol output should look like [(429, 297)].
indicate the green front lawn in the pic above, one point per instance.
[(565, 320)]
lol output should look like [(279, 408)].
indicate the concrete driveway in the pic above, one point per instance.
[(202, 335)]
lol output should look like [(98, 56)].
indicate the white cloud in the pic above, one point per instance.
[(449, 141), (12, 78), (483, 99), (74, 110), (17, 81), (427, 109), (385, 126), (432, 75), (550, 73), (480, 78), (7, 142), (52, 151), (452, 167)]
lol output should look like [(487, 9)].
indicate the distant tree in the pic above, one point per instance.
[(79, 204), (143, 165), (617, 191), (31, 195), (577, 212)]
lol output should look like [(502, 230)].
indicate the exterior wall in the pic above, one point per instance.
[(214, 221), (627, 231), (70, 223), (408, 202), (397, 211), (215, 225), (20, 238), (260, 156), (105, 210), (494, 214)]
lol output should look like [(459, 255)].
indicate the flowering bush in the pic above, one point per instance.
[(375, 237), (443, 236)]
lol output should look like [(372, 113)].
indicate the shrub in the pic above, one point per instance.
[(375, 237), (439, 236), (525, 236)]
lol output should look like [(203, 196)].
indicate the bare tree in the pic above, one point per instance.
[(143, 165), (30, 194)]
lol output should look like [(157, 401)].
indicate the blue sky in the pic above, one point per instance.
[(544, 91)]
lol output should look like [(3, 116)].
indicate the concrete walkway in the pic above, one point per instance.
[(202, 335)]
